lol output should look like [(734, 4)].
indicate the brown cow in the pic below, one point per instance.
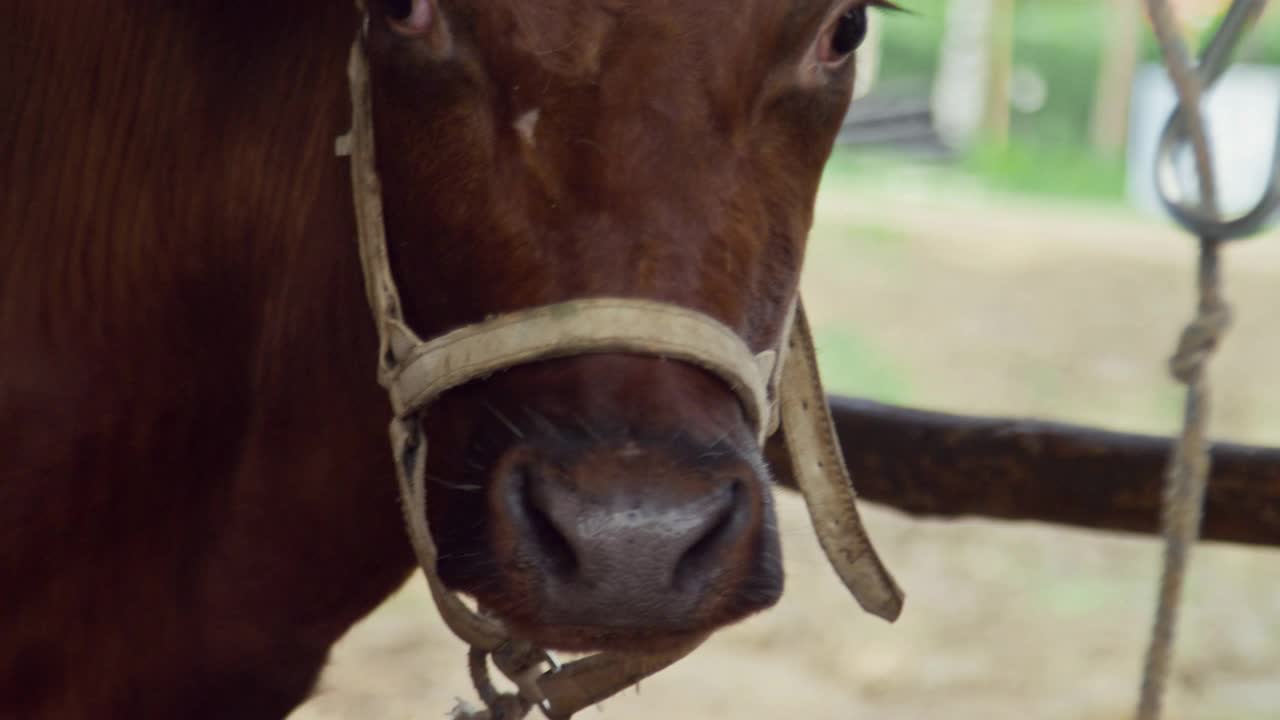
[(196, 495)]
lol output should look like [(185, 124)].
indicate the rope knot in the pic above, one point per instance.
[(1198, 341)]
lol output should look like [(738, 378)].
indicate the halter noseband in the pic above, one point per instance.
[(779, 389)]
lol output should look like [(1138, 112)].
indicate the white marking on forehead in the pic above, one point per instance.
[(527, 125)]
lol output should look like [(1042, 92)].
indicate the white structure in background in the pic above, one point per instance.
[(868, 57), (1242, 112), (960, 86)]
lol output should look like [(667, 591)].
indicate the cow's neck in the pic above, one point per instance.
[(183, 270)]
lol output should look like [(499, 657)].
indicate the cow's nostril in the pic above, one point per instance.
[(616, 538), (554, 549), (696, 566)]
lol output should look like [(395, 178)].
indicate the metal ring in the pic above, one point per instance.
[(1190, 213)]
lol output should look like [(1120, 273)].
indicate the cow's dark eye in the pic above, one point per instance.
[(411, 18), (398, 9), (849, 32)]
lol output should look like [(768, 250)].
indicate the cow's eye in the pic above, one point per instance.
[(845, 35), (409, 17), (399, 9)]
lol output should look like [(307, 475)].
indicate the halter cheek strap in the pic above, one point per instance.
[(779, 389)]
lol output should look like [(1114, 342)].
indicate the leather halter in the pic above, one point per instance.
[(779, 389)]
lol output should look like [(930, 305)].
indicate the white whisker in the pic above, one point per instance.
[(505, 421)]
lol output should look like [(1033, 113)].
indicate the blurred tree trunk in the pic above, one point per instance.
[(960, 84), (975, 66), (1120, 54), (995, 122)]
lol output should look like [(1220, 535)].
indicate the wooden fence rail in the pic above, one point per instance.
[(933, 464)]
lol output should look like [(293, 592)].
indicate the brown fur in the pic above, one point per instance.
[(196, 496)]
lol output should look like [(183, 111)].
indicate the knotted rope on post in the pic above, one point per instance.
[(1189, 465)]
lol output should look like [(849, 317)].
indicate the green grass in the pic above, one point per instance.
[(853, 365), (1059, 170), (850, 169), (1022, 168)]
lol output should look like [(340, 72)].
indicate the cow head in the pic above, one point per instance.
[(536, 152)]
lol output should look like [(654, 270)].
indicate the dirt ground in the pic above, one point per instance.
[(943, 297)]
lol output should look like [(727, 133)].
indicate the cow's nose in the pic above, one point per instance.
[(638, 546)]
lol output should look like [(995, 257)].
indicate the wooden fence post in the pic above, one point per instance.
[(1115, 76), (995, 122)]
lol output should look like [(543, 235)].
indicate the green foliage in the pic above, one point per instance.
[(1061, 40), (911, 41), (1049, 150)]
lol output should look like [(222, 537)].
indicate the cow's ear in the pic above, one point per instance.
[(418, 20)]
